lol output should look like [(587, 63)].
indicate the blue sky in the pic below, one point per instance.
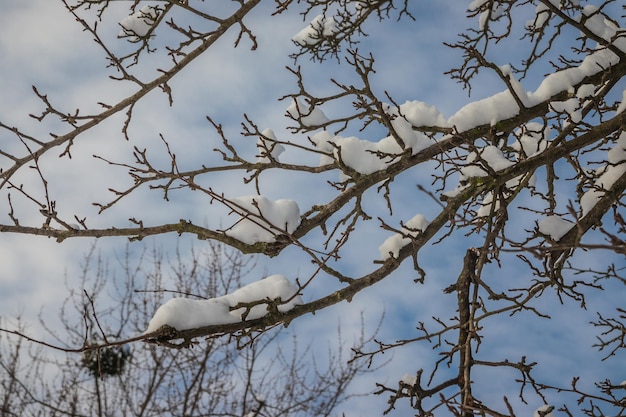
[(48, 49)]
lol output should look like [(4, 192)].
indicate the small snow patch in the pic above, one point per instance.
[(137, 25), (392, 245), (554, 226), (262, 219)]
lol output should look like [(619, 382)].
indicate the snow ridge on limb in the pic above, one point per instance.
[(251, 302), (262, 219)]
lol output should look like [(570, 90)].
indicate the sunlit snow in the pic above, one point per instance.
[(585, 90), (490, 14), (571, 107), (184, 313), (268, 147), (502, 105), (544, 411), (481, 164), (409, 379), (421, 114), (313, 34), (490, 110), (602, 26), (392, 245), (488, 206), (262, 219), (408, 116), (477, 163), (622, 105), (554, 226), (138, 24), (308, 115), (366, 157), (608, 174), (542, 13), (532, 139), (476, 4), (362, 156)]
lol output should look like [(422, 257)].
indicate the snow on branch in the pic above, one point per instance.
[(262, 219), (139, 24), (274, 293), (320, 27), (392, 245), (606, 175)]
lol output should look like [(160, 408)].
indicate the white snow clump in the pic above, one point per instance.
[(487, 206), (571, 107), (410, 115), (476, 4), (554, 226), (603, 27), (367, 157), (608, 174), (490, 156), (363, 156), (263, 219), (544, 411), (532, 139), (409, 379), (184, 313), (586, 90), (392, 245), (480, 164), (268, 147), (421, 114), (492, 109), (308, 115), (542, 13), (138, 24), (319, 28), (492, 14), (622, 106)]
